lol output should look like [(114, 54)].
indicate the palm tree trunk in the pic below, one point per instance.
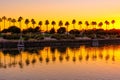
[(47, 28), (4, 24), (73, 26), (9, 23)]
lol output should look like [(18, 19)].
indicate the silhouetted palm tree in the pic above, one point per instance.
[(33, 22), (0, 23), (80, 23), (27, 22), (47, 23), (107, 24), (60, 23), (13, 21), (73, 22), (87, 24), (113, 22), (53, 23), (67, 24), (100, 24), (4, 19), (19, 20), (40, 24), (9, 20), (94, 24)]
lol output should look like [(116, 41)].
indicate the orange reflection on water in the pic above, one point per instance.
[(61, 63), (48, 55)]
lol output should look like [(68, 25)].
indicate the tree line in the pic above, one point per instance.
[(4, 19)]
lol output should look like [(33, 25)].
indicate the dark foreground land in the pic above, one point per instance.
[(43, 43)]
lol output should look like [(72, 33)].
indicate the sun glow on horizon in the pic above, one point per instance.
[(65, 10)]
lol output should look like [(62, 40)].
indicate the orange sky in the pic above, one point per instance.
[(66, 10)]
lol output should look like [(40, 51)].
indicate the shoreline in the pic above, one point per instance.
[(67, 42)]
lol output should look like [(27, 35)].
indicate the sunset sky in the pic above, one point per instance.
[(66, 10)]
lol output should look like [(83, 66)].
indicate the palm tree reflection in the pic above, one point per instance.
[(10, 63), (74, 57), (87, 56), (80, 56), (67, 55), (1, 64), (100, 53), (27, 60), (47, 58), (5, 66), (16, 58), (21, 62), (113, 56), (41, 58), (34, 59), (61, 57), (94, 57), (107, 57)]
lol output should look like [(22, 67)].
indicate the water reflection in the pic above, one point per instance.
[(22, 58)]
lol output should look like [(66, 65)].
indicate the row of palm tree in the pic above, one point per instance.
[(40, 23)]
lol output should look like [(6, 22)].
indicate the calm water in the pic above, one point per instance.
[(61, 63)]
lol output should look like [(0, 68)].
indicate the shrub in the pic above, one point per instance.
[(10, 37), (61, 30), (52, 31), (74, 31)]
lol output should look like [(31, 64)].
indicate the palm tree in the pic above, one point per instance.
[(87, 24), (27, 22), (33, 22), (73, 22), (0, 23), (100, 24), (94, 24), (107, 23), (19, 20), (13, 21), (60, 23), (113, 22), (9, 20), (67, 24), (40, 24), (53, 23), (47, 23), (80, 23), (4, 18)]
